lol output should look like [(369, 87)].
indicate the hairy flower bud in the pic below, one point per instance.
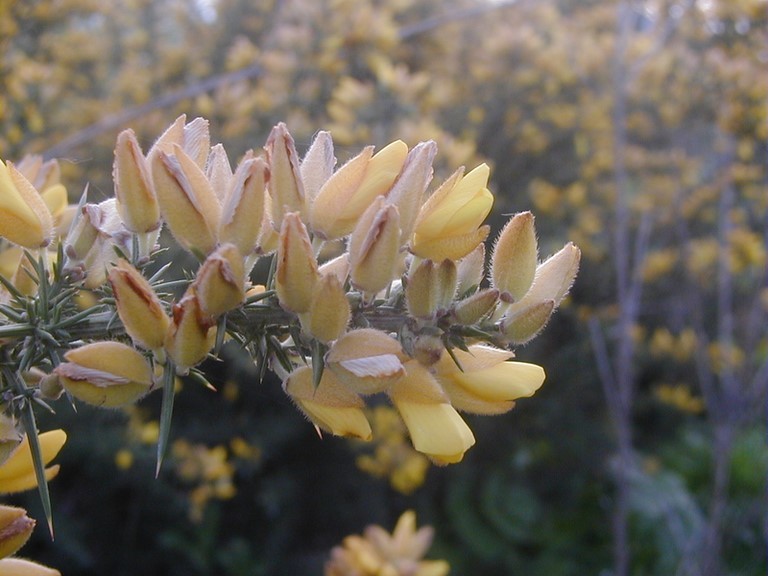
[(285, 185), (317, 165), (296, 274), (188, 203), (474, 308), (135, 193), (522, 323), (191, 333), (105, 373), (243, 210), (138, 306), (329, 312), (374, 247), (515, 256), (220, 281)]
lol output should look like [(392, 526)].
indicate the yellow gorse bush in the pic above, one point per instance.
[(403, 308)]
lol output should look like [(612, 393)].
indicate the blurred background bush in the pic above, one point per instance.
[(635, 128)]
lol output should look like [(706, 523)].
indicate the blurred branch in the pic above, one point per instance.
[(114, 121)]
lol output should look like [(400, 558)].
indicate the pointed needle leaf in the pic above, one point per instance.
[(166, 413)]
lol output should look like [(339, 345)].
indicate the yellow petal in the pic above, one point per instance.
[(24, 217), (27, 481), (436, 430), (504, 381), (449, 247), (191, 334), (21, 460)]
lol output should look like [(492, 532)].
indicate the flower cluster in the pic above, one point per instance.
[(377, 286), (377, 552)]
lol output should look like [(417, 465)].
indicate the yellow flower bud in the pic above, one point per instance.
[(374, 247), (191, 333), (317, 165), (367, 361), (24, 218), (220, 281), (487, 383), (135, 193), (296, 274), (474, 308), (285, 185), (138, 306), (329, 313), (106, 374), (407, 192), (337, 207), (522, 324), (243, 210), (188, 203), (435, 427), (515, 256), (330, 406), (17, 473), (449, 223), (15, 529), (219, 172), (430, 288), (470, 270), (21, 567), (194, 138)]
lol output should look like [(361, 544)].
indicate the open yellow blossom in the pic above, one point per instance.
[(435, 427), (485, 382), (24, 217), (17, 473), (351, 189), (449, 223)]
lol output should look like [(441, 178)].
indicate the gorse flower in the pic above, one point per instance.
[(401, 307), (377, 552)]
